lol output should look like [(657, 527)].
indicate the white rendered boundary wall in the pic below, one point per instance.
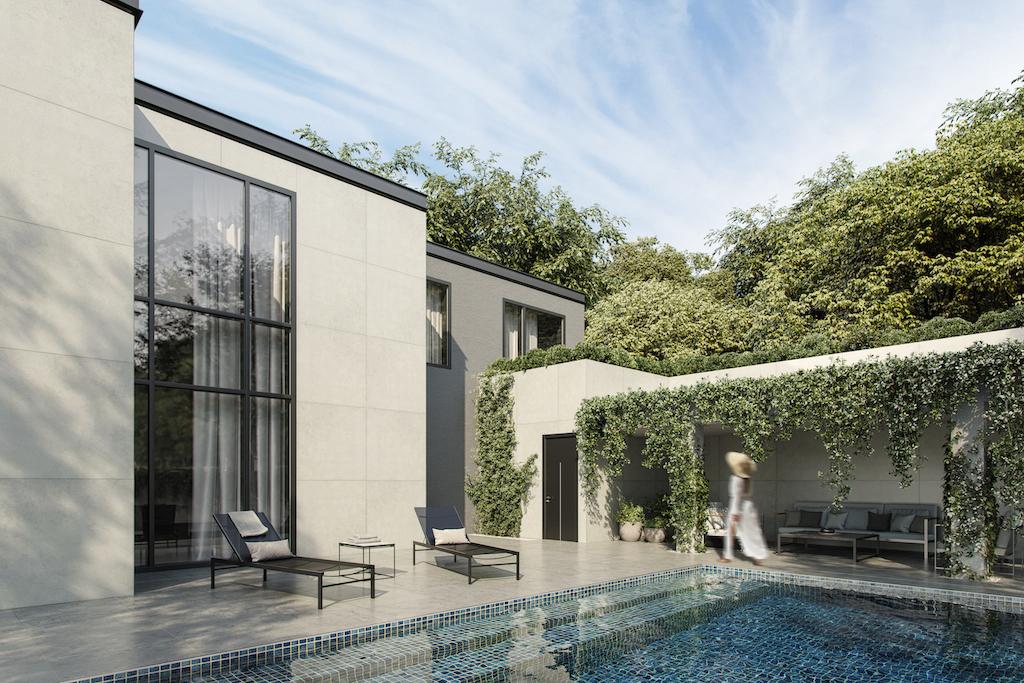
[(546, 401)]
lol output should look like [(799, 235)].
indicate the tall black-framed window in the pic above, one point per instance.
[(214, 354), (526, 329), (438, 323)]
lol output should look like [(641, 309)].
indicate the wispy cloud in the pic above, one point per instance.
[(668, 114)]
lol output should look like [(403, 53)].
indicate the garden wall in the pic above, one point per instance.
[(546, 401)]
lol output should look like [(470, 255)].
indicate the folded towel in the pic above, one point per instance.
[(363, 539), (247, 523), (360, 537)]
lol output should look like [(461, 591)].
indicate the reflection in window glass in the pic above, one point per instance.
[(141, 342), (142, 524), (141, 221), (199, 235), (527, 329), (196, 460), (195, 348), (437, 323), (270, 221)]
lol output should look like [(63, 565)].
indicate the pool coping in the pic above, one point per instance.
[(184, 670)]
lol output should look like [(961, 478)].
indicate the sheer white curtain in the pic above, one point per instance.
[(529, 330), (513, 319), (270, 254), (217, 247), (437, 342)]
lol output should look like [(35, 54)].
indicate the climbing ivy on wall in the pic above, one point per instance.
[(499, 488), (844, 404)]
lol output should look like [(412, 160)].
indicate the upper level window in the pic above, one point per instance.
[(437, 323), (527, 329)]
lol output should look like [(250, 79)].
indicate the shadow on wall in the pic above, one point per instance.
[(66, 413), (638, 484), (447, 431)]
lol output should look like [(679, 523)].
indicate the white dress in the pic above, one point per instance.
[(748, 528)]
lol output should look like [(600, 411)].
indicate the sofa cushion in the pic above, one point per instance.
[(810, 519), (901, 523), (792, 517), (879, 522), (856, 519), (897, 537), (835, 520), (917, 526)]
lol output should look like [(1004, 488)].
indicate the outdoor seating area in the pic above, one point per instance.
[(906, 524)]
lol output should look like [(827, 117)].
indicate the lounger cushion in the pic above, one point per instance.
[(856, 520), (449, 536), (269, 550), (793, 518), (248, 523)]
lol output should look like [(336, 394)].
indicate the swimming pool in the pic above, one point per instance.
[(695, 624)]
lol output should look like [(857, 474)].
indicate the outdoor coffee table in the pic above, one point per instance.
[(841, 536), (367, 550)]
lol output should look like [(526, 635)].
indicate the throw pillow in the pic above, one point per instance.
[(835, 520), (917, 526), (269, 550), (792, 517), (449, 536), (856, 519), (810, 519), (901, 523), (879, 521)]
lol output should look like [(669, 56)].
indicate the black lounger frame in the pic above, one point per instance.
[(448, 518), (306, 566)]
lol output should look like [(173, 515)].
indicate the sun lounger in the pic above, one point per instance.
[(353, 572), (448, 518)]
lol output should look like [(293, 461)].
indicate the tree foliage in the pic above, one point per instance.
[(515, 218)]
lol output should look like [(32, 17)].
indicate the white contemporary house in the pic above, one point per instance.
[(197, 315)]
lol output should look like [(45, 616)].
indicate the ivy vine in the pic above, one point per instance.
[(500, 487), (844, 404)]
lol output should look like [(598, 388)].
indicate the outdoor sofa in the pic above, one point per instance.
[(922, 532), (353, 572), (432, 518)]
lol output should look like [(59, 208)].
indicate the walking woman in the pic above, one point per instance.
[(744, 521)]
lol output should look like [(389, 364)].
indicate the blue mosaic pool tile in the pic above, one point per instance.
[(336, 656)]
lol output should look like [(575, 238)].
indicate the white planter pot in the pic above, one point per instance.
[(630, 531), (654, 534)]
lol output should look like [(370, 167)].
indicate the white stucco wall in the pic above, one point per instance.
[(546, 401), (360, 271), (65, 301)]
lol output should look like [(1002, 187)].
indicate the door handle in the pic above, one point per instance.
[(547, 499)]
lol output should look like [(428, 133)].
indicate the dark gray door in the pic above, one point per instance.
[(561, 479)]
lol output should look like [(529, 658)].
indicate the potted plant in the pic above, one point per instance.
[(656, 530), (658, 515), (631, 521)]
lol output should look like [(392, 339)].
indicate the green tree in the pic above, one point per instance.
[(476, 205), (644, 259), (664, 318)]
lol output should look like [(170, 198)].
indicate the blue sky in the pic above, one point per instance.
[(666, 113)]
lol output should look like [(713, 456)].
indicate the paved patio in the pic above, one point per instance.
[(175, 615)]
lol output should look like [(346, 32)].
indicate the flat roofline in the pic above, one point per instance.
[(461, 258), (129, 6), (160, 100)]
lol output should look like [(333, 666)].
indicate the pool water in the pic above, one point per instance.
[(699, 627)]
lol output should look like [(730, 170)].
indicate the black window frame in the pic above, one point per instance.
[(522, 325), (247, 320), (447, 365)]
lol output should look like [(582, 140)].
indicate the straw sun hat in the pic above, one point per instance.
[(740, 464)]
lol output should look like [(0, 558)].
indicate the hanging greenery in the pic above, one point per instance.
[(844, 405), (499, 489)]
